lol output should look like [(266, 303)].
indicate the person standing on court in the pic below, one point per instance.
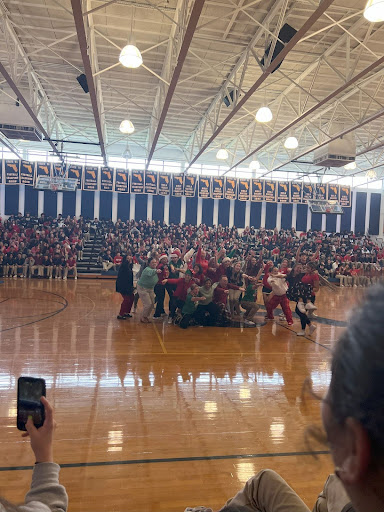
[(124, 286), (145, 288)]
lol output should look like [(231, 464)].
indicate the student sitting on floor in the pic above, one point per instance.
[(190, 306)]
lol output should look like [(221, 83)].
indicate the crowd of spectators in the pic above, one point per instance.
[(41, 247)]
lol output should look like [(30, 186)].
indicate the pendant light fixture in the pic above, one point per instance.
[(126, 127), (291, 143), (351, 166), (374, 11), (130, 56), (371, 174), (264, 115), (254, 165), (222, 154)]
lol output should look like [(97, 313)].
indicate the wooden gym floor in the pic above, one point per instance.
[(154, 418)]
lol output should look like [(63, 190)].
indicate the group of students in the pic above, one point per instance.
[(353, 421), (218, 290), (40, 247)]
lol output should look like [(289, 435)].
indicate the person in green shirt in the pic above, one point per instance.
[(249, 301), (145, 288), (190, 306), (207, 311)]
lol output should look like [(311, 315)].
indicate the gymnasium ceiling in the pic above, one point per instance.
[(337, 58)]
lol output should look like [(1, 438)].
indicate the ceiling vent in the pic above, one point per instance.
[(337, 153), (29, 133)]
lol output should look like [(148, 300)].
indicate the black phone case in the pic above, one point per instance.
[(21, 424)]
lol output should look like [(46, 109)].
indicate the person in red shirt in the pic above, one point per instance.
[(220, 298), (180, 294), (71, 267), (201, 259), (117, 261)]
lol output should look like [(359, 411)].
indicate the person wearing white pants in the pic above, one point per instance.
[(145, 288)]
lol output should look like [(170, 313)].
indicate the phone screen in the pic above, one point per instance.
[(30, 390)]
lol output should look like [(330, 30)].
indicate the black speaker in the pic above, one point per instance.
[(230, 98), (82, 79), (286, 33)]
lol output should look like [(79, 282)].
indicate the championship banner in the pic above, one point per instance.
[(58, 170), (345, 196), (151, 182), (164, 184), (230, 188), (205, 187), (270, 191), (190, 185), (257, 190), (43, 169), (296, 191), (90, 178), (11, 172), (27, 172), (333, 192), (307, 192), (282, 192), (217, 187), (75, 172), (243, 191), (122, 181), (177, 184), (106, 179), (137, 182), (320, 191)]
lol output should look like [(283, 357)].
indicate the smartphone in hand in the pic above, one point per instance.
[(29, 392)]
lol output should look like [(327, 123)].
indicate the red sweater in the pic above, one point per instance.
[(181, 288), (219, 295), (201, 261)]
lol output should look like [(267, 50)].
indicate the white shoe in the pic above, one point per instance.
[(312, 314), (75, 278), (312, 328), (50, 277), (355, 285), (301, 307), (300, 333), (14, 277), (341, 286), (170, 320), (248, 322), (310, 307), (64, 278)]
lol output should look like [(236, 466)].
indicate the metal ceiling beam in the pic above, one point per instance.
[(82, 38), (190, 30), (308, 70), (215, 106), (25, 104), (368, 120), (279, 58), (310, 111)]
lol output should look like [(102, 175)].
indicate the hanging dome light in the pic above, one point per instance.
[(264, 115), (374, 11), (130, 56), (351, 166), (291, 143), (255, 165), (126, 126), (222, 154), (371, 174)]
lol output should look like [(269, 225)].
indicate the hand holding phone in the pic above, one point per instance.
[(29, 392), (42, 438)]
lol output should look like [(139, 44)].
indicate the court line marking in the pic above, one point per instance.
[(65, 305), (159, 338), (175, 459)]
